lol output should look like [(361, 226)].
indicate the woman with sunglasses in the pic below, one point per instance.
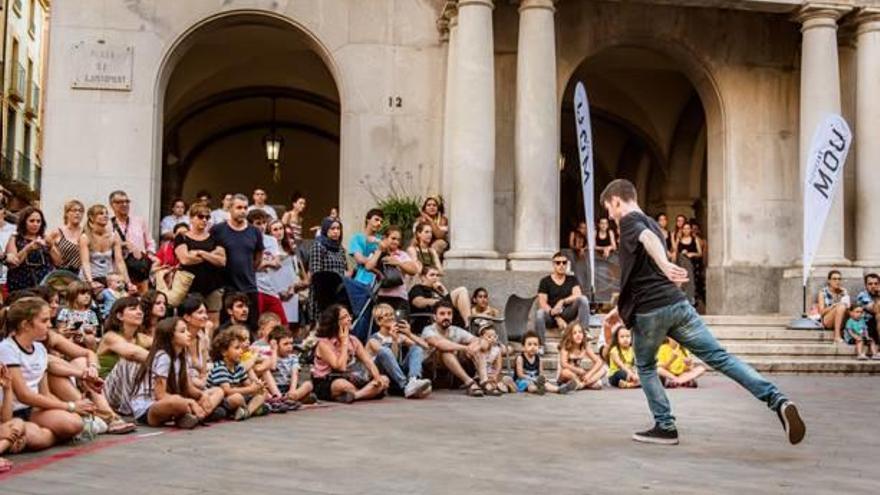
[(200, 254), (833, 303)]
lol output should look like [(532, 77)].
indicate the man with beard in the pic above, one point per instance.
[(456, 348)]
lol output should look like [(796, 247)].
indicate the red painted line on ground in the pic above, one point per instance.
[(41, 462)]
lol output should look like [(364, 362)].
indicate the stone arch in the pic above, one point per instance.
[(189, 34), (701, 75)]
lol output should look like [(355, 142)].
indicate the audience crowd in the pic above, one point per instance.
[(237, 313)]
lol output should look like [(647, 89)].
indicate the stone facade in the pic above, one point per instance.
[(484, 86)]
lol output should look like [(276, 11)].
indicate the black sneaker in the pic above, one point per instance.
[(657, 435), (218, 414), (792, 422)]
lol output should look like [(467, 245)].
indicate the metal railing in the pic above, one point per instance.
[(22, 168), (33, 104), (38, 176)]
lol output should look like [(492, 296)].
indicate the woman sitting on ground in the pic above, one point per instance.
[(201, 331), (164, 392), (421, 250), (23, 353), (154, 305), (833, 303), (343, 371), (121, 351), (13, 438)]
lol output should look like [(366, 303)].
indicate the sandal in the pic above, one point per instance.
[(473, 389), (490, 389), (118, 426)]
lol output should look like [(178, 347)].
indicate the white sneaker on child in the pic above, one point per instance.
[(415, 387)]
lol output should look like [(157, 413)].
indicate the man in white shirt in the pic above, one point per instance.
[(260, 204), (456, 347)]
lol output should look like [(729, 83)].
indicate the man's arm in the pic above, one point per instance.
[(657, 251)]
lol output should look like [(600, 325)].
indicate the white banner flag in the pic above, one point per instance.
[(824, 174), (585, 153)]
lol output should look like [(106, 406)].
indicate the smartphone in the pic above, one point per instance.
[(400, 315)]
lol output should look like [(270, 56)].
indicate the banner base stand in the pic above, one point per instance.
[(804, 323)]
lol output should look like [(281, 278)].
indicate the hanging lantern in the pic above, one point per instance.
[(273, 142)]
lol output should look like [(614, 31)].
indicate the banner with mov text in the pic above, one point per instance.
[(585, 153), (824, 176)]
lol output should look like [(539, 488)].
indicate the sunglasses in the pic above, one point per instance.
[(560, 262), (203, 216)]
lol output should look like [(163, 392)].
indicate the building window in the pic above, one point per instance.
[(32, 13), (24, 174), (9, 150)]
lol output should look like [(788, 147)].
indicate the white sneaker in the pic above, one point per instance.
[(415, 387), (426, 391)]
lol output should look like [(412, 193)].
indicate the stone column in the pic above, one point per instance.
[(820, 95), (536, 138), (472, 141), (449, 30), (867, 226)]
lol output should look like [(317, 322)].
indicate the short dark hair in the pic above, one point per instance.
[(234, 297), (558, 254), (428, 268), (870, 276), (531, 335), (296, 196), (203, 194), (190, 304), (257, 215), (374, 212), (834, 272), (442, 304), (328, 322), (620, 188), (118, 192), (178, 200), (393, 228)]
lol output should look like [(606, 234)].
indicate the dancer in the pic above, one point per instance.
[(653, 306)]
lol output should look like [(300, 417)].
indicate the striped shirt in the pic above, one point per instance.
[(220, 374)]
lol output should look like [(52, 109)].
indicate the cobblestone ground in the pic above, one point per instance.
[(454, 444)]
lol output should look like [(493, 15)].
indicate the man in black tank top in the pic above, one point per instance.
[(653, 306)]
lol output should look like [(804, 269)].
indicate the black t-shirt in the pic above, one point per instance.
[(207, 276), (556, 292), (241, 248), (420, 322), (643, 287)]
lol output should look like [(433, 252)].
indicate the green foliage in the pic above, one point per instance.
[(395, 194), (402, 211)]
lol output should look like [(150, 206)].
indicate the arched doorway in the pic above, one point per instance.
[(228, 83), (649, 126)]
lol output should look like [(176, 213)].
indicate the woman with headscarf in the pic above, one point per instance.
[(327, 255)]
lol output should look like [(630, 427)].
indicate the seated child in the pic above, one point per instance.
[(78, 322), (164, 391), (243, 395), (492, 353), (12, 430), (856, 332), (116, 289), (530, 372), (573, 349), (622, 359), (676, 366), (285, 371)]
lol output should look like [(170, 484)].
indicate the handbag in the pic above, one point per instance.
[(174, 283), (356, 373), (138, 269), (392, 277)]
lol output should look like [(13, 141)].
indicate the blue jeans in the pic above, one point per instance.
[(399, 375), (579, 309), (681, 322)]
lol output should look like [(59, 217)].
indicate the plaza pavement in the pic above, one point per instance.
[(450, 443)]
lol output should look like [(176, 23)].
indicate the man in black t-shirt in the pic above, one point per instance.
[(653, 306), (560, 300), (244, 253)]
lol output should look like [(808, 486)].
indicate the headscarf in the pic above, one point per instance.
[(324, 239)]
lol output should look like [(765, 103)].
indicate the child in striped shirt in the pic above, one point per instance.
[(244, 396)]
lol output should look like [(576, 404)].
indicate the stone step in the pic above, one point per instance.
[(748, 320), (770, 334), (778, 349), (818, 365)]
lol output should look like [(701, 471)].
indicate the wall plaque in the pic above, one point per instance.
[(99, 65)]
